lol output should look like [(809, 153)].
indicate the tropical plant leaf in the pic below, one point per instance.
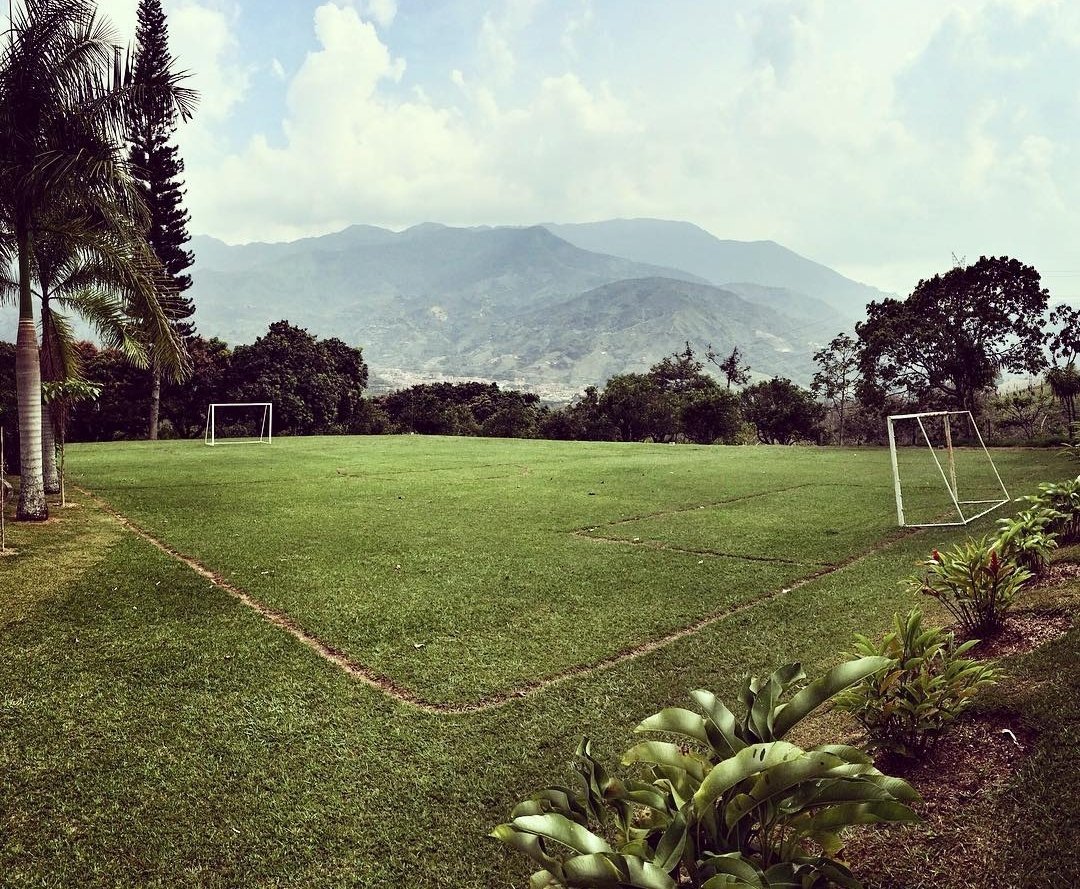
[(665, 754), (677, 721), (763, 710), (670, 848), (733, 871), (820, 690), (611, 871), (562, 830), (778, 780), (646, 875), (746, 763), (543, 879), (834, 817), (526, 843), (722, 719)]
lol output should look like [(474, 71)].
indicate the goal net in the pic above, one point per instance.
[(243, 423), (943, 473)]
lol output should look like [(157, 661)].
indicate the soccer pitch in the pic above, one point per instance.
[(468, 571)]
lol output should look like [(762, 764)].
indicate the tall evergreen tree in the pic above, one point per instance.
[(158, 167)]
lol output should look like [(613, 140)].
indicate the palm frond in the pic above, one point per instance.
[(60, 358), (9, 285), (104, 311)]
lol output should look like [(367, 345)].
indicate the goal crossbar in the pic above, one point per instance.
[(266, 423), (948, 478)]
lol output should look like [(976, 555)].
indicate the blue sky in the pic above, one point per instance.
[(881, 138)]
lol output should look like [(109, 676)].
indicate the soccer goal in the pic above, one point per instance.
[(240, 423), (943, 474)]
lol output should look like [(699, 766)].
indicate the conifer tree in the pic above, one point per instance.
[(158, 168)]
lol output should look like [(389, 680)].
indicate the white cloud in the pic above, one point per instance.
[(498, 32), (495, 47), (382, 12), (577, 24), (878, 138), (121, 14), (204, 42), (203, 38), (349, 150), (355, 149)]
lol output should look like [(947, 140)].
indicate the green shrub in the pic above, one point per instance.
[(1071, 448), (973, 582), (926, 686), (727, 803), (1062, 499), (1026, 538)]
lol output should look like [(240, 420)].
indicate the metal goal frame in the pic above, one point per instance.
[(266, 428), (948, 477)]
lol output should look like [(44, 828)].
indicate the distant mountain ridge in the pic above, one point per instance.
[(722, 262), (527, 306), (521, 305), (627, 325)]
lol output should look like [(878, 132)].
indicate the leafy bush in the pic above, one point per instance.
[(1026, 539), (973, 582), (927, 684), (728, 803), (1063, 499), (1071, 448)]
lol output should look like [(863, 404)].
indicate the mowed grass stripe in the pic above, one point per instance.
[(387, 686), (460, 589), (814, 524), (282, 621), (403, 695)]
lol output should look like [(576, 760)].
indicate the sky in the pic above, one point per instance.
[(885, 138)]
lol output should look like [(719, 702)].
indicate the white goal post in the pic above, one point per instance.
[(948, 472), (261, 416)]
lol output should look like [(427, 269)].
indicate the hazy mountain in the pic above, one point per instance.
[(519, 305), (816, 314), (374, 286), (627, 326), (214, 254), (688, 247)]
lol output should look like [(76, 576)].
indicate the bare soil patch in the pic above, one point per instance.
[(960, 781), (1024, 631)]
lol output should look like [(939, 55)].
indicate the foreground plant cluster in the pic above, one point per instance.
[(726, 801)]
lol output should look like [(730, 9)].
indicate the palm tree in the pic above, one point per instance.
[(104, 281), (64, 100)]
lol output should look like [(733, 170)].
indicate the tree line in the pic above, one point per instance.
[(318, 386)]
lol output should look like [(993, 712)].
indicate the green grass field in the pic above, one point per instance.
[(462, 568), (154, 731)]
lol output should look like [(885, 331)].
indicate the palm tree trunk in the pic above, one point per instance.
[(155, 401), (32, 505), (49, 469), (49, 371)]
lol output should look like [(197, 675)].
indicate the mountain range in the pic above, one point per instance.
[(688, 247), (552, 308)]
